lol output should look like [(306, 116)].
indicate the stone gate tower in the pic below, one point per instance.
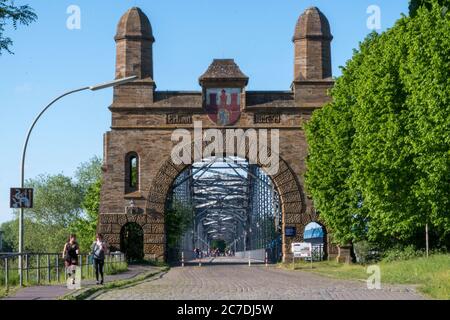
[(138, 171)]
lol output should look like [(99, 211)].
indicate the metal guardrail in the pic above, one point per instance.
[(41, 268)]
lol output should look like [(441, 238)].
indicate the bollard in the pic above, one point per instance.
[(57, 268), (182, 259), (38, 269), (266, 259), (48, 269), (27, 273), (199, 262), (81, 266), (6, 272)]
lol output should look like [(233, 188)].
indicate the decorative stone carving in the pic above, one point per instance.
[(267, 118), (175, 118)]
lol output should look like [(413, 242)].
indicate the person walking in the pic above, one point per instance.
[(99, 249), (70, 255)]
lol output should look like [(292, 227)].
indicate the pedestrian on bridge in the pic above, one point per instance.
[(70, 255), (98, 249)]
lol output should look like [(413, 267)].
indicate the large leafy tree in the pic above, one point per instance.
[(379, 165), (62, 205), (57, 205), (89, 179), (86, 225), (10, 13), (57, 200)]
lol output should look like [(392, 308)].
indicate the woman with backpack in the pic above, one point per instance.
[(99, 249)]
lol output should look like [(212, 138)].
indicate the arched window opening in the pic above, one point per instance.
[(315, 234), (131, 172)]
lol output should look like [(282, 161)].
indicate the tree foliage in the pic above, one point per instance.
[(178, 220), (62, 205), (89, 173), (414, 5), (85, 226), (89, 178), (379, 157), (10, 13), (57, 200)]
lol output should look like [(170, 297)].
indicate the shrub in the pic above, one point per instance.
[(365, 252), (402, 253)]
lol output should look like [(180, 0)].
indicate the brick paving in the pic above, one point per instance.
[(222, 281)]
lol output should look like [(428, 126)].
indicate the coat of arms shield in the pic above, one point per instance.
[(223, 105)]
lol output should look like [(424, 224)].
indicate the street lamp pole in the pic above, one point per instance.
[(24, 150)]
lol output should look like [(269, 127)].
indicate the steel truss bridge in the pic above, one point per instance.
[(233, 201)]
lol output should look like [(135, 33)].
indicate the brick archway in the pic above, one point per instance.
[(292, 198)]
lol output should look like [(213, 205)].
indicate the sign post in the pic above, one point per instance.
[(21, 198)]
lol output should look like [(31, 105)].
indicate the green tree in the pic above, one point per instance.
[(89, 173), (57, 204), (57, 200), (39, 237), (89, 179), (414, 5), (378, 164), (9, 12), (178, 220), (62, 205), (85, 227)]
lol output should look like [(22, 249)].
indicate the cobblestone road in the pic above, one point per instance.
[(241, 282)]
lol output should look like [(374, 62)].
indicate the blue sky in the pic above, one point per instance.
[(50, 59)]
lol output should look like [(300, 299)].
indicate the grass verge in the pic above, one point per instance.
[(431, 275), (84, 294)]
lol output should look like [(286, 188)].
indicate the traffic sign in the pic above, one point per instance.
[(21, 198)]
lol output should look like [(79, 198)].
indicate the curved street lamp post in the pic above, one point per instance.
[(22, 173)]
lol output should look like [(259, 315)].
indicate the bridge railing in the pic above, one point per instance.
[(49, 268)]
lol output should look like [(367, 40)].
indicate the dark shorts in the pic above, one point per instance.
[(71, 262)]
